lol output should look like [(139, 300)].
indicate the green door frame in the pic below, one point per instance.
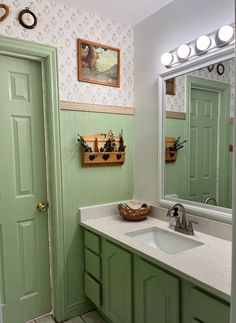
[(223, 91), (47, 55)]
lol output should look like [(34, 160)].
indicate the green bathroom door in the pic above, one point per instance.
[(203, 145), (24, 247)]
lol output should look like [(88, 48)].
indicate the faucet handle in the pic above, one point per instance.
[(190, 226), (177, 225), (192, 221)]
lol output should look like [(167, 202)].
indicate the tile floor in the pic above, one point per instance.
[(90, 317)]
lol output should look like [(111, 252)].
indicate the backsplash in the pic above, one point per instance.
[(60, 26), (208, 226)]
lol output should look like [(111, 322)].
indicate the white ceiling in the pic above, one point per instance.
[(127, 11)]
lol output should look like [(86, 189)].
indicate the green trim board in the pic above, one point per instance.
[(223, 91), (79, 307), (47, 55)]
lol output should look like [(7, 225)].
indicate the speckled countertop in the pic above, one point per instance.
[(207, 266)]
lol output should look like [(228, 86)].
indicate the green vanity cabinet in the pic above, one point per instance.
[(200, 307), (129, 289), (92, 275), (156, 294), (117, 283)]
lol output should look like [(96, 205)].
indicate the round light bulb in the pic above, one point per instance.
[(167, 59), (183, 51), (203, 43), (226, 33)]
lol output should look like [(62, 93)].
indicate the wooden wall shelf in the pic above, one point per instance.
[(171, 155), (103, 159), (98, 158)]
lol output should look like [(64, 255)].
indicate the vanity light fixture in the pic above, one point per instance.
[(167, 59), (211, 42), (183, 51), (225, 34), (203, 43)]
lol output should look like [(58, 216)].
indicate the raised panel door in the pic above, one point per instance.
[(24, 250), (203, 145), (116, 283), (156, 294)]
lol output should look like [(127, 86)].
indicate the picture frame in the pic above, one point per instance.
[(98, 63), (171, 86), (5, 11)]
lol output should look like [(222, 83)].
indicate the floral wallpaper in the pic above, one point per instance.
[(176, 102), (61, 26)]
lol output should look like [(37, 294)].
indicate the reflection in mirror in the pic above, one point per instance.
[(199, 109)]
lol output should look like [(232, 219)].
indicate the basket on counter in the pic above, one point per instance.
[(130, 214)]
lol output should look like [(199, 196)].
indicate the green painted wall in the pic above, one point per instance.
[(88, 186), (176, 173)]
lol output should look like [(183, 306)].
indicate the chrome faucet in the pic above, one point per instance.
[(211, 199), (183, 225)]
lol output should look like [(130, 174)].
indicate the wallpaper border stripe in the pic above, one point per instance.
[(88, 107), (176, 115)]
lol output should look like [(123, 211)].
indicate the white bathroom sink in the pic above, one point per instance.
[(167, 241)]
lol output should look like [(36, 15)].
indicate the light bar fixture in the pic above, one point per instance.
[(167, 59), (203, 43), (222, 37), (183, 51), (225, 34)]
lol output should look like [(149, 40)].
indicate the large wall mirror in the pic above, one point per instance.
[(197, 134)]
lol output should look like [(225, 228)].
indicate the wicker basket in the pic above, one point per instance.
[(130, 214)]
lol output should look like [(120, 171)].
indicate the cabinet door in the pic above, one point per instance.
[(198, 307), (117, 283), (156, 294)]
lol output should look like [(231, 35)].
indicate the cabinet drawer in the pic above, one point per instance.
[(92, 241), (218, 311), (92, 289), (198, 306), (92, 264)]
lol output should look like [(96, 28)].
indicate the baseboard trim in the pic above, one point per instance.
[(78, 308)]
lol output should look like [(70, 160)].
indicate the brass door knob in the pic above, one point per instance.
[(42, 207)]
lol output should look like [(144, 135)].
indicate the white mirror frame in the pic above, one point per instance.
[(199, 209)]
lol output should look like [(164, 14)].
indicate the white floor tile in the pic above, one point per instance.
[(75, 320), (92, 317)]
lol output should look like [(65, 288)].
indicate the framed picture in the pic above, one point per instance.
[(99, 64), (171, 86)]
